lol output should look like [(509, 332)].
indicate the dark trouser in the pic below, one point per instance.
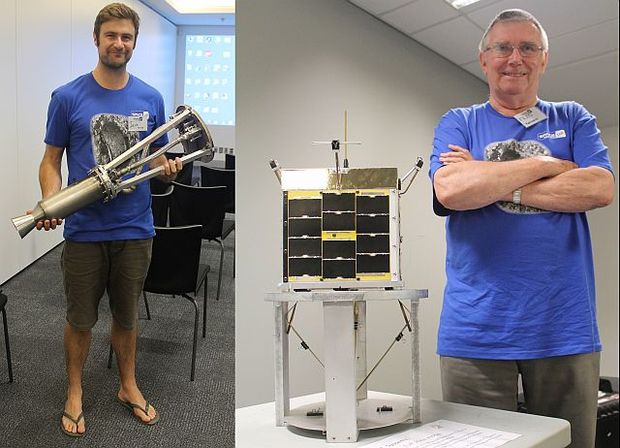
[(563, 387)]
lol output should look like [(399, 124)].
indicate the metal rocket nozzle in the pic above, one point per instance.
[(61, 204), (24, 224)]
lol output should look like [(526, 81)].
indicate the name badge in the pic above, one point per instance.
[(138, 121), (531, 116)]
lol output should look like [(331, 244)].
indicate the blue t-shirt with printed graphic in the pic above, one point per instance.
[(520, 281), (95, 125)]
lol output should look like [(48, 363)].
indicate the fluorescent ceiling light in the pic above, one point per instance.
[(203, 6), (458, 4)]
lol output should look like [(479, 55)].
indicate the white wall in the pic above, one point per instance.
[(299, 65), (46, 45), (604, 228)]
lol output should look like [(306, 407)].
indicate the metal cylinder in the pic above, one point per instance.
[(61, 204)]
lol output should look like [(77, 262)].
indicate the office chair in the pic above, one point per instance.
[(205, 206), (229, 161), (3, 300), (210, 177), (160, 204), (172, 274)]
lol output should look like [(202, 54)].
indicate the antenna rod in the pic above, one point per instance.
[(345, 163)]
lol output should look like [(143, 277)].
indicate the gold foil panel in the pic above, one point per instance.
[(327, 179)]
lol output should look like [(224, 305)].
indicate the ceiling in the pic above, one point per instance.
[(167, 11), (583, 42)]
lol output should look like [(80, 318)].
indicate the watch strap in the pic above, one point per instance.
[(516, 196)]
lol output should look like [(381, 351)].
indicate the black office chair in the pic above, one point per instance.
[(3, 300), (205, 206), (158, 186), (229, 161), (172, 274), (211, 177), (160, 204)]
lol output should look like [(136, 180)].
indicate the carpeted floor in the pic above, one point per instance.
[(193, 414)]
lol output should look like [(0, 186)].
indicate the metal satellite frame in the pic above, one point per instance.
[(341, 248)]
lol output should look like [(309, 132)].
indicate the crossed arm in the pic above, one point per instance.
[(545, 182)]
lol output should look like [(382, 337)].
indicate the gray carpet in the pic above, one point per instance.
[(193, 414)]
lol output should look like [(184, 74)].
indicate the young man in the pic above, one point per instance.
[(108, 245), (515, 176)]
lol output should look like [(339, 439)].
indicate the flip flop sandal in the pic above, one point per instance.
[(74, 420), (131, 406)]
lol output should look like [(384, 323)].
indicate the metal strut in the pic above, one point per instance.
[(304, 345), (398, 337)]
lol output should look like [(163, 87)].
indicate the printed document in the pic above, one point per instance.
[(444, 433)]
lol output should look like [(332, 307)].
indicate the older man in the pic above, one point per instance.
[(515, 176)]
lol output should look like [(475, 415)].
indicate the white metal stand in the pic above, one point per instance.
[(346, 409)]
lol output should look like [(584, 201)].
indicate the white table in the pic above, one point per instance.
[(256, 426)]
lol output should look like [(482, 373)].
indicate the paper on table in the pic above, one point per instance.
[(444, 433)]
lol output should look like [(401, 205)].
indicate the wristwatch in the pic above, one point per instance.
[(516, 196)]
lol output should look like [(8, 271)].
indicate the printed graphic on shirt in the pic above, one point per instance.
[(111, 137), (514, 150), (560, 133)]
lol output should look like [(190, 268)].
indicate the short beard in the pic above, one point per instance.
[(116, 66), (107, 64)]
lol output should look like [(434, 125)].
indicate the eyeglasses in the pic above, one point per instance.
[(503, 49)]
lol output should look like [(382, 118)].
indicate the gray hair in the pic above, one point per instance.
[(514, 15)]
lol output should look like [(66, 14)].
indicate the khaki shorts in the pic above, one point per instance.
[(90, 269)]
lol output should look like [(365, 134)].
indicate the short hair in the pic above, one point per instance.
[(514, 15), (115, 11)]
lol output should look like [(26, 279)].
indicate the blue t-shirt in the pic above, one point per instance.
[(94, 125), (520, 281)]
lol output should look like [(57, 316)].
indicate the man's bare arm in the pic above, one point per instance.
[(172, 167), (50, 175), (50, 180), (466, 184), (574, 191)]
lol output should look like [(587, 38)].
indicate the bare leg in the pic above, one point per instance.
[(124, 344), (77, 344)]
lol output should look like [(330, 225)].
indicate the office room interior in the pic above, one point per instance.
[(48, 44), (300, 65), (66, 27)]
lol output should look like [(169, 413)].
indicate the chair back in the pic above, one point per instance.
[(158, 186), (175, 260), (185, 175), (212, 177), (229, 161), (160, 204), (198, 205)]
